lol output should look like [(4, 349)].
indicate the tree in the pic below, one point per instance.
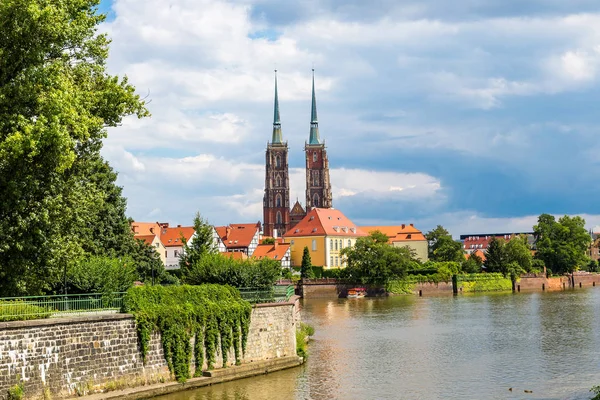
[(517, 251), (473, 264), (376, 262), (202, 243), (56, 101), (495, 256), (269, 240), (150, 268), (442, 247), (306, 271), (98, 274), (562, 244)]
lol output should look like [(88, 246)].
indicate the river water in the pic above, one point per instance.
[(464, 347)]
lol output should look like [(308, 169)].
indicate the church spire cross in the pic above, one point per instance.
[(277, 136), (314, 123)]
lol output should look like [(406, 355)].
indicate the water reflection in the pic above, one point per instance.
[(465, 347)]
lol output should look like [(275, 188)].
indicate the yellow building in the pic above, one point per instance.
[(404, 236), (325, 231)]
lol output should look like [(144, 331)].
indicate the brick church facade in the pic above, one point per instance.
[(278, 218)]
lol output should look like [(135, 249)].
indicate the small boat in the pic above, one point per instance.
[(356, 293)]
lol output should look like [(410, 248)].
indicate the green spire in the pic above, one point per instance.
[(314, 123), (277, 137)]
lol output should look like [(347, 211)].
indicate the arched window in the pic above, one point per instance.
[(331, 244), (341, 244), (278, 201), (277, 161), (349, 243), (315, 178), (277, 181), (315, 156), (278, 217), (336, 247), (316, 200)]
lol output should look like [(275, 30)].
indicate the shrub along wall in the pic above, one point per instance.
[(75, 355)]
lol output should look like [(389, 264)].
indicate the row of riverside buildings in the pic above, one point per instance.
[(316, 225), (324, 231)]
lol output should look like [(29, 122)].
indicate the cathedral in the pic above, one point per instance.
[(277, 216)]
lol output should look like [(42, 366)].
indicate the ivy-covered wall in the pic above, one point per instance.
[(76, 355)]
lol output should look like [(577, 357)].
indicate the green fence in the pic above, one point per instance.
[(272, 295), (35, 307)]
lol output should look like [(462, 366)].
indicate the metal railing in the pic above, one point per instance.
[(35, 307), (276, 294)]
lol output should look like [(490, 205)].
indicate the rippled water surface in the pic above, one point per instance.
[(465, 347)]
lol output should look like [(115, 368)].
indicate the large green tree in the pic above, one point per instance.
[(495, 256), (373, 260), (201, 244), (517, 251), (56, 101), (562, 244), (306, 271), (442, 247)]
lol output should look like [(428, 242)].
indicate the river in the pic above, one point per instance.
[(464, 347)]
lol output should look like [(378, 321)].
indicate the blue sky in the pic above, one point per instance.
[(477, 115)]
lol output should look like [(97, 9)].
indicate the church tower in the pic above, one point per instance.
[(318, 185), (276, 202)]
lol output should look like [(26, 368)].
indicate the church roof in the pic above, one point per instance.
[(325, 221), (277, 136), (314, 122), (297, 209), (399, 233)]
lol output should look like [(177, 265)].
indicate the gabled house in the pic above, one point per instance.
[(325, 231), (404, 236), (155, 242), (173, 239), (237, 238), (277, 251)]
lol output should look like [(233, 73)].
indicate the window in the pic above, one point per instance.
[(165, 254), (315, 156), (336, 261), (336, 245), (314, 245), (176, 253), (349, 243), (341, 244), (292, 242), (331, 261), (157, 245), (277, 161), (278, 217), (277, 181), (315, 178), (331, 244), (278, 200), (316, 200)]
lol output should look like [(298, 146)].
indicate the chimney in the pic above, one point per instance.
[(276, 243), (403, 226), (179, 226), (413, 225), (227, 232), (152, 230)]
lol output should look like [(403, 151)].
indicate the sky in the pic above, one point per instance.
[(477, 115)]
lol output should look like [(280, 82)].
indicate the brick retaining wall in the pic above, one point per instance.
[(69, 355)]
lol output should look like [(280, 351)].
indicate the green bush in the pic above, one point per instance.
[(335, 273), (488, 282), (98, 274), (16, 392), (223, 270), (211, 314), (596, 391), (303, 334), (400, 286), (20, 311)]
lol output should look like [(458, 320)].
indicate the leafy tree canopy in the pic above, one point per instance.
[(442, 247), (562, 244), (306, 271), (56, 101), (201, 244)]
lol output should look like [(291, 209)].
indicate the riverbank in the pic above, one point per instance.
[(215, 376), (85, 355)]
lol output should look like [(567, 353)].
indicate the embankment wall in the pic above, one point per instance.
[(69, 356)]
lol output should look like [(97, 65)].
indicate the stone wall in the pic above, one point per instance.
[(432, 289), (69, 356)]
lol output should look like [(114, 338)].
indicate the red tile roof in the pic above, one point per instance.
[(171, 237), (148, 228), (146, 238), (399, 233), (240, 235), (325, 221), (271, 251), (480, 253)]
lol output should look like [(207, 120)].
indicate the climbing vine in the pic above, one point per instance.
[(210, 314)]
